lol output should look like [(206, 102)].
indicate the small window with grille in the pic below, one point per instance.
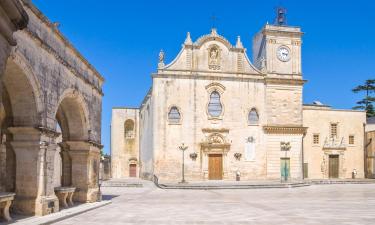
[(351, 140), (333, 130), (316, 139)]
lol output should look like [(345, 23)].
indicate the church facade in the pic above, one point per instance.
[(221, 116)]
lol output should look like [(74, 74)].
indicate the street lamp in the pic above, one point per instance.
[(183, 148)]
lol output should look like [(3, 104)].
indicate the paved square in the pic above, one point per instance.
[(320, 204)]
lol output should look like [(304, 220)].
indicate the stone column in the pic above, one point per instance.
[(85, 170), (2, 163), (34, 173)]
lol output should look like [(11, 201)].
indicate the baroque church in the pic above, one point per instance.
[(215, 115)]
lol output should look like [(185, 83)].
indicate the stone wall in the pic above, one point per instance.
[(318, 120), (146, 134), (47, 82), (124, 143)]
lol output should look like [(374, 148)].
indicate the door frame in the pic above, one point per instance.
[(135, 166), (287, 159), (222, 166), (336, 156)]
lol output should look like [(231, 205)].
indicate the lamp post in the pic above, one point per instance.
[(183, 148)]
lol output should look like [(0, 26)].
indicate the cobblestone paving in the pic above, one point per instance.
[(321, 204)]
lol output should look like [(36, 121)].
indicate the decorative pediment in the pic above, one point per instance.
[(213, 36), (211, 53), (214, 142)]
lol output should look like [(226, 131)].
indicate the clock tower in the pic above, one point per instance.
[(277, 49)]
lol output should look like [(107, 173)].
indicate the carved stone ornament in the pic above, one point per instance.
[(193, 156), (237, 155), (161, 59), (285, 146), (250, 139), (215, 139), (214, 56), (334, 143)]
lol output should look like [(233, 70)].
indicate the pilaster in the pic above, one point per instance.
[(35, 152), (85, 158)]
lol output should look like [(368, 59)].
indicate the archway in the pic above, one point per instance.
[(20, 111), (80, 158)]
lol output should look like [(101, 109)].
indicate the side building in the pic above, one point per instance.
[(125, 142), (333, 146), (370, 148)]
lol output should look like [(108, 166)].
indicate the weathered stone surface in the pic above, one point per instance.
[(273, 86), (47, 88)]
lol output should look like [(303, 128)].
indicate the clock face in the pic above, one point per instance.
[(283, 53)]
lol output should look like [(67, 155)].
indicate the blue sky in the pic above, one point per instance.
[(122, 40)]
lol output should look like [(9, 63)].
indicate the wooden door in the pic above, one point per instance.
[(333, 166), (132, 170), (215, 167), (285, 168)]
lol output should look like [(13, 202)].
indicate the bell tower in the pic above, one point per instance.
[(277, 48)]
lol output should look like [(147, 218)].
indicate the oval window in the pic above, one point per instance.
[(214, 106)]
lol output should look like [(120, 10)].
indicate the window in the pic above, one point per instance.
[(351, 139), (129, 129), (333, 130), (214, 106), (316, 139), (174, 115), (253, 117)]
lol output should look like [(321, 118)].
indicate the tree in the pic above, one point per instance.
[(367, 102)]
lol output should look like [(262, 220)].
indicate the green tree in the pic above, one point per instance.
[(367, 102)]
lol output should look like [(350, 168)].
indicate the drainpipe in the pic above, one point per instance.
[(303, 158)]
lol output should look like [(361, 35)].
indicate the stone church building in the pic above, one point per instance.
[(235, 117)]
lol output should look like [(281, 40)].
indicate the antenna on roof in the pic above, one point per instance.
[(280, 16)]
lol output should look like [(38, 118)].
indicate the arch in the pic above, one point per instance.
[(213, 36), (253, 117), (129, 127), (23, 91), (72, 116), (174, 115)]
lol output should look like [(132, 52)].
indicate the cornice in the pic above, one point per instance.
[(285, 81), (196, 75), (285, 130), (46, 21), (215, 130), (52, 51)]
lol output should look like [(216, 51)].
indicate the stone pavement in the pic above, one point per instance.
[(61, 215), (317, 204)]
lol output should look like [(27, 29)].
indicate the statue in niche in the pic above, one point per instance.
[(214, 58)]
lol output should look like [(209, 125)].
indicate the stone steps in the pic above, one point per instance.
[(228, 186), (348, 181), (121, 184)]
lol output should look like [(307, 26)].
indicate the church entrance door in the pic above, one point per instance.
[(334, 166), (132, 170), (215, 167)]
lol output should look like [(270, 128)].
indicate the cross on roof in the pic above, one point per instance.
[(214, 20)]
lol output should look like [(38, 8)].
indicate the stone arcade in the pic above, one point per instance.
[(46, 86), (236, 117)]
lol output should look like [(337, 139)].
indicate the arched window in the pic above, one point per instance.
[(253, 117), (174, 115), (214, 106), (129, 129)]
